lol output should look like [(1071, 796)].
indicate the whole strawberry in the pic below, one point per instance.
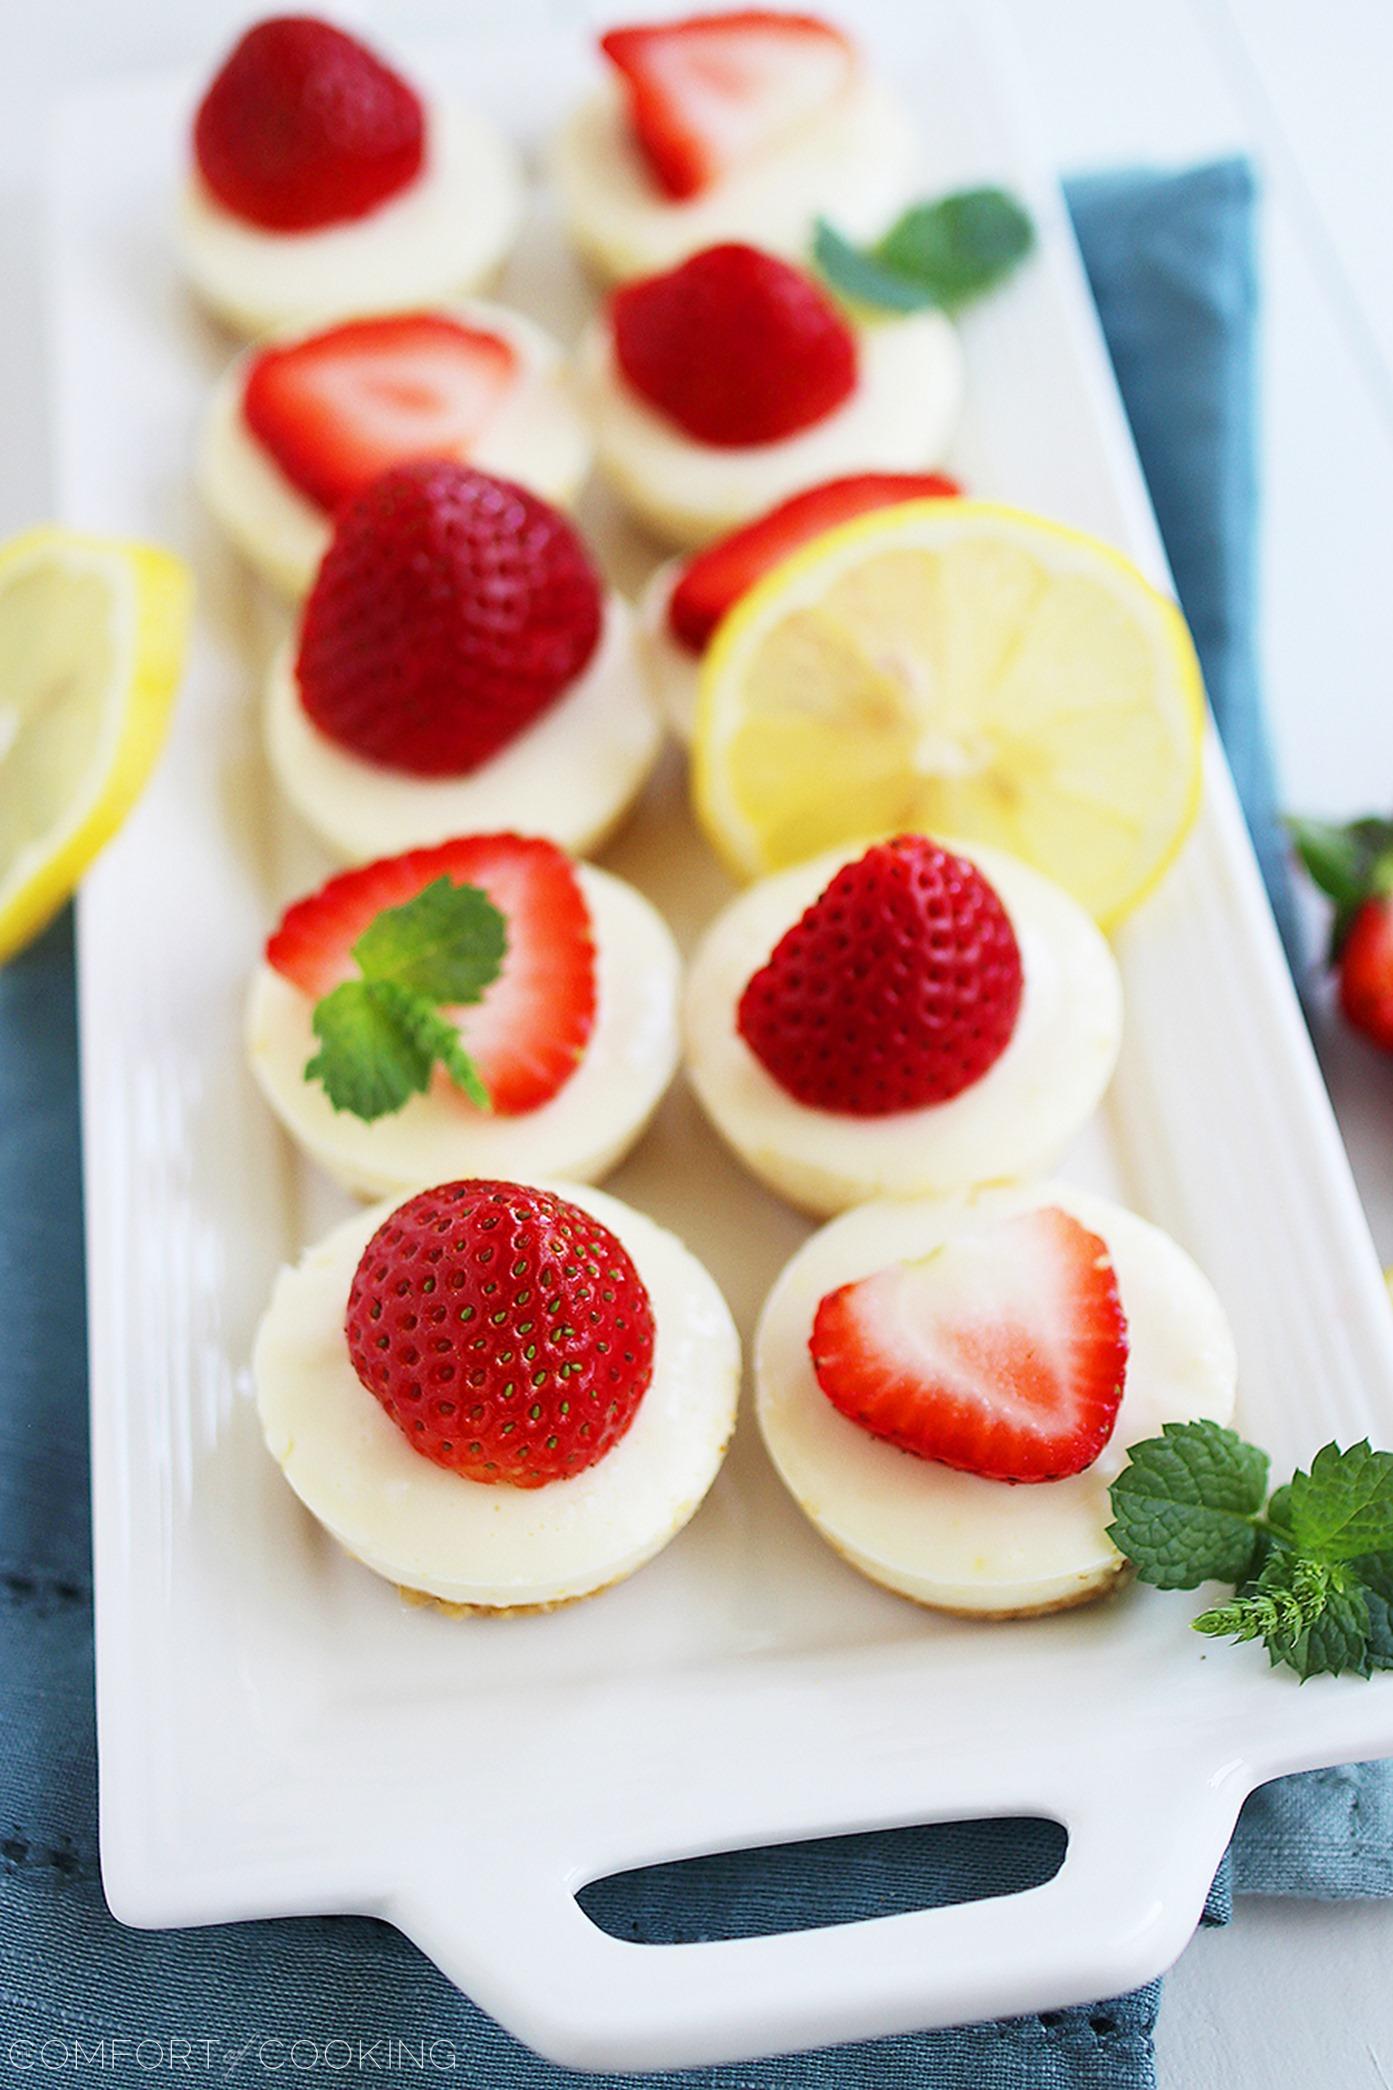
[(735, 346), (899, 987), (304, 126), (1354, 865), (504, 1330), (449, 612)]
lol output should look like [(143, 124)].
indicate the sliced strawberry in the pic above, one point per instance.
[(527, 1035), (709, 94), (337, 408), (714, 581), (1003, 1353)]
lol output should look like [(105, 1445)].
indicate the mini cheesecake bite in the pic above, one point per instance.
[(687, 598), (301, 424), (749, 125), (499, 1396), (458, 667), (325, 185), (485, 1007), (949, 1388), (912, 1018), (735, 380)]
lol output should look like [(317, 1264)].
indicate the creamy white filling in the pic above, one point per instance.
[(855, 163), (900, 418), (428, 1529), (954, 1539), (571, 776), (1016, 1120), (443, 235), (538, 437), (582, 1132), (674, 672)]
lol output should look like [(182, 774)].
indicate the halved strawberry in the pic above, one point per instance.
[(527, 1035), (708, 94), (1003, 1353), (337, 408), (715, 579)]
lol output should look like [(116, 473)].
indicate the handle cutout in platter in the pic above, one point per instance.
[(825, 1880)]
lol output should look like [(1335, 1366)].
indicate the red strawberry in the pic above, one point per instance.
[(449, 612), (504, 1330), (707, 95), (1003, 1353), (898, 988), (528, 1033), (735, 346), (713, 581), (1366, 970), (337, 408), (1354, 865), (304, 126)]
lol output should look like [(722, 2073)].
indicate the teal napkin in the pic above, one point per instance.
[(1171, 262)]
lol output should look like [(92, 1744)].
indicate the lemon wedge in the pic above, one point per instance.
[(92, 634), (957, 668)]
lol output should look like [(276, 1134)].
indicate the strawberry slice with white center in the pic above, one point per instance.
[(338, 408), (710, 94), (1002, 1353), (526, 1036)]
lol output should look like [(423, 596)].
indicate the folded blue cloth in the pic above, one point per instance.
[(1171, 263)]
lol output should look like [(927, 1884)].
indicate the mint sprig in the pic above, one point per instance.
[(1312, 1566), (1350, 864), (943, 253), (382, 1035)]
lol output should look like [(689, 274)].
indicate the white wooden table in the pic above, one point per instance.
[(1295, 1993)]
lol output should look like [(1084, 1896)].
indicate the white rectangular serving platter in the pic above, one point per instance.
[(266, 1704)]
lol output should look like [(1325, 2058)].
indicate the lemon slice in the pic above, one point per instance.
[(955, 667), (92, 635)]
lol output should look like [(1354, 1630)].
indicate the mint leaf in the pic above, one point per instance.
[(380, 1036), (1312, 1616), (1326, 1629), (378, 1044), (960, 246), (447, 942), (862, 280), (1375, 1573), (1351, 863), (1185, 1506), (366, 1062), (434, 1038), (1334, 858), (1344, 1506)]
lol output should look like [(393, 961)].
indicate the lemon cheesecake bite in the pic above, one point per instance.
[(948, 1388), (903, 1019), (301, 424), (686, 598), (325, 185), (458, 667), (499, 1396), (746, 125), (735, 380), (485, 1007)]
